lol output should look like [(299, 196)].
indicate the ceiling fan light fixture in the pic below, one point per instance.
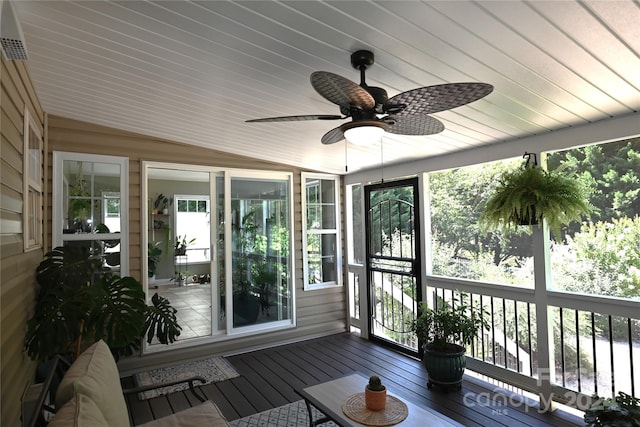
[(364, 132)]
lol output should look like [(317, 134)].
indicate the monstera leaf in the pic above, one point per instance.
[(68, 267), (57, 322), (161, 321), (118, 315)]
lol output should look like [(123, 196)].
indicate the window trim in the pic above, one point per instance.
[(336, 231), (36, 209), (59, 195), (176, 211)]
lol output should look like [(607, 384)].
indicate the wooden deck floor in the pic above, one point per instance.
[(268, 379)]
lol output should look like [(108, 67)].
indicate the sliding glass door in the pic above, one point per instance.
[(260, 253), (218, 247)]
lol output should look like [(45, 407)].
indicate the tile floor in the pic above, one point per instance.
[(193, 303)]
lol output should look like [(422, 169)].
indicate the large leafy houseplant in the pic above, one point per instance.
[(526, 195), (445, 331), (447, 327), (78, 303), (623, 411)]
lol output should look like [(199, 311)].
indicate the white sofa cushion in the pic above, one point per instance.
[(96, 375), (80, 411), (204, 414)]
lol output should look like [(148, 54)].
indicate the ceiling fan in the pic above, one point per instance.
[(373, 113)]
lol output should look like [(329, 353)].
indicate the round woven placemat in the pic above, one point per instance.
[(394, 412)]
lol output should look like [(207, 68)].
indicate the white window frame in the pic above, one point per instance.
[(32, 178), (59, 196), (196, 246), (335, 231)]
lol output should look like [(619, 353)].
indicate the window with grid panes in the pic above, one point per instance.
[(321, 231)]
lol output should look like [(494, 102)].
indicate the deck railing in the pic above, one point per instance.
[(588, 345), (593, 343)]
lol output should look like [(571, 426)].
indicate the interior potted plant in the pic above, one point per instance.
[(181, 244), (246, 270), (79, 204), (624, 410), (79, 303), (444, 332), (526, 195), (375, 394), (161, 204), (153, 258), (180, 277)]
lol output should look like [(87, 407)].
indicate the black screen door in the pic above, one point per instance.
[(393, 261)]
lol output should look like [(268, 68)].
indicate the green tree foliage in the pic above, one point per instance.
[(612, 171), (602, 258), (458, 197)]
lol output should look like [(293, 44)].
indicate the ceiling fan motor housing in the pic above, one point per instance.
[(362, 58)]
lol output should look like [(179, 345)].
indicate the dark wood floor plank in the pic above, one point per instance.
[(213, 393), (160, 407), (253, 394), (241, 403), (178, 402), (325, 365), (267, 388), (270, 376)]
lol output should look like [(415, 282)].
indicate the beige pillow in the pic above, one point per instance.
[(96, 375), (80, 411)]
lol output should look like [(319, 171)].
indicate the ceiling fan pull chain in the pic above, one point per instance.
[(346, 168), (381, 163)]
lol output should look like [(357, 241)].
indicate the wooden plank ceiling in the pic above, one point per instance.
[(195, 71)]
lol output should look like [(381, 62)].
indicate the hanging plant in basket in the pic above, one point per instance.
[(526, 195)]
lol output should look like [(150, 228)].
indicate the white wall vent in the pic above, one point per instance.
[(13, 44)]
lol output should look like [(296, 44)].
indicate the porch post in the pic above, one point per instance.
[(365, 319), (542, 279)]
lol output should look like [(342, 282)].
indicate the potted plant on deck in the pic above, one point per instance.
[(526, 195), (445, 331), (624, 410)]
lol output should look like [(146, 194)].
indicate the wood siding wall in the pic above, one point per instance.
[(319, 312), (17, 267)]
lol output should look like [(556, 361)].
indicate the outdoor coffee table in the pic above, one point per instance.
[(329, 396)]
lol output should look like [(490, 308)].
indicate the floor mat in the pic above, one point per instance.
[(291, 415), (213, 370)]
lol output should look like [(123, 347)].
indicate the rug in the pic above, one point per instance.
[(213, 370), (291, 415)]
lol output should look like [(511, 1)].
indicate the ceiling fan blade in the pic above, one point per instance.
[(297, 118), (431, 99), (414, 125), (333, 136), (341, 91)]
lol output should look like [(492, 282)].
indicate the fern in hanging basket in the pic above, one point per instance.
[(526, 195)]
